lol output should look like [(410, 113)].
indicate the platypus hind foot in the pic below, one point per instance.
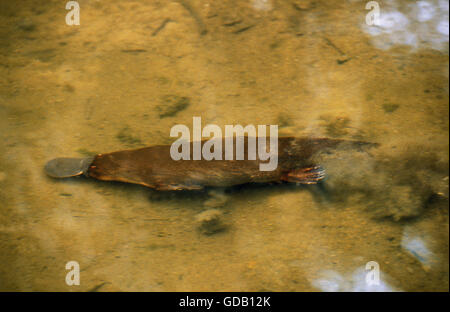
[(307, 175)]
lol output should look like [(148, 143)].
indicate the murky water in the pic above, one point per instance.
[(133, 69)]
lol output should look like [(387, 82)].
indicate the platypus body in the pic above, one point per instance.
[(154, 167)]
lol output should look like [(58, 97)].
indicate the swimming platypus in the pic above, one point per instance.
[(154, 167)]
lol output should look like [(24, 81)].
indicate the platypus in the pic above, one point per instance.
[(154, 167)]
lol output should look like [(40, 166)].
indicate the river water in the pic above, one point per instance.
[(131, 70)]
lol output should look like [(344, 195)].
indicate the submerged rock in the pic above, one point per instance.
[(210, 222), (26, 25)]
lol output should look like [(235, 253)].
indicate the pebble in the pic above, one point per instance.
[(27, 25), (262, 5)]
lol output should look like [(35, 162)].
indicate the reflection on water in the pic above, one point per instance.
[(356, 281), (132, 70), (419, 24)]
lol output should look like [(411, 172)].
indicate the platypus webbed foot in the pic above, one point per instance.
[(307, 175)]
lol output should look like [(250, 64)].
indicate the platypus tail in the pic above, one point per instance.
[(343, 143), (360, 145), (324, 144), (304, 148)]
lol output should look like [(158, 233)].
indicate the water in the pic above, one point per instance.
[(132, 70)]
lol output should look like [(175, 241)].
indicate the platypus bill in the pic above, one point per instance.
[(153, 166)]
